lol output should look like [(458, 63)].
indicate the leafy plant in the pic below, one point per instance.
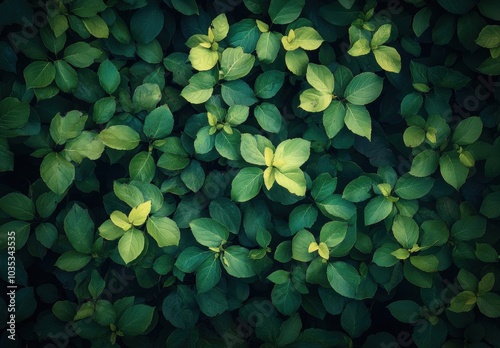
[(276, 174)]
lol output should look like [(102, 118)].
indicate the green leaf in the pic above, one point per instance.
[(357, 119), (108, 230), (333, 233), (120, 137), (289, 330), (268, 47), (176, 64), (355, 318), (228, 145), (220, 27), (131, 244), (491, 66), (284, 12), (300, 246), (269, 117), (209, 232), (186, 7), (411, 104), (237, 262), (291, 153), (203, 59), (269, 83), (199, 90), (292, 179), (297, 61), (135, 320), (489, 8), (333, 118), (444, 29), (18, 206), (469, 228), (68, 127), (208, 274), (151, 52), (227, 213), (405, 231), (360, 48), (452, 170), (104, 109), (320, 78), (109, 77), (86, 145), (64, 310), (96, 285), (237, 93), (468, 131), (193, 176), (404, 310), (336, 206), (486, 283), (57, 173), (105, 313), (191, 258), (279, 276), (343, 278), (358, 189), (306, 38), (251, 149), (235, 64), (435, 233), (302, 216), (312, 100), (87, 8), (364, 88), (421, 21), (39, 74), (410, 187), (384, 256), (146, 97), (146, 23), (72, 261), (79, 229), (13, 113), (463, 302), (96, 26), (142, 167), (414, 136), (425, 163), (431, 335), (323, 186), (120, 220), (81, 54), (381, 36), (388, 58), (426, 263), (286, 298), (164, 230), (246, 185), (490, 204), (174, 156), (46, 233), (159, 123), (66, 77), (489, 37), (377, 209), (237, 114), (489, 304)]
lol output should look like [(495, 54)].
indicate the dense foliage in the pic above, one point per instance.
[(252, 173)]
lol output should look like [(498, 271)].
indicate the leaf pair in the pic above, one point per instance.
[(283, 166)]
